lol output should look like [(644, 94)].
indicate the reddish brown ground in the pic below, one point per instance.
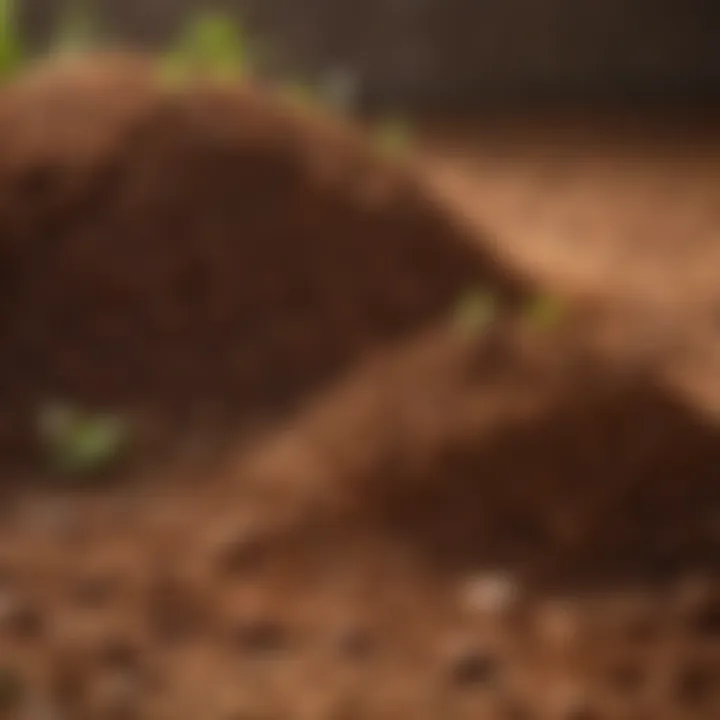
[(521, 524)]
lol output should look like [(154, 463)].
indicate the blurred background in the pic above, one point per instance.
[(459, 55)]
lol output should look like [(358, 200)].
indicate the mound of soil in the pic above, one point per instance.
[(339, 572), (171, 248), (520, 448), (340, 569)]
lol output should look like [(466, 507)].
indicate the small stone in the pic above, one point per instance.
[(493, 593)]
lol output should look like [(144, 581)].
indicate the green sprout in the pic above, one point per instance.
[(393, 137), (78, 31), (81, 443), (300, 94), (212, 44), (12, 53), (545, 312), (474, 312)]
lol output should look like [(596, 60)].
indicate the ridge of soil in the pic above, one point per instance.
[(171, 248), (520, 448)]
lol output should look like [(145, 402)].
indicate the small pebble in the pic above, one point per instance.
[(493, 593)]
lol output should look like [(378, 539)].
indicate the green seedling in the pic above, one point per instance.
[(300, 94), (545, 312), (78, 31), (12, 53), (211, 45), (393, 137), (475, 312), (81, 443)]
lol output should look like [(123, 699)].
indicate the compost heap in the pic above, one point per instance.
[(167, 248)]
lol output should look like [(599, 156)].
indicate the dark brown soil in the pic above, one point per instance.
[(521, 448), (515, 524), (176, 248)]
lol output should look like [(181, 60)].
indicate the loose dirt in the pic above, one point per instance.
[(516, 522), (169, 249)]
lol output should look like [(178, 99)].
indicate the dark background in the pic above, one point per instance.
[(463, 54)]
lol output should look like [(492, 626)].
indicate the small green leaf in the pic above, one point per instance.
[(79, 443), (94, 445), (545, 312), (393, 137), (211, 44), (475, 312), (12, 53), (173, 71), (300, 94), (78, 31)]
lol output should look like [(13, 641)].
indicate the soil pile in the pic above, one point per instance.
[(170, 247), (374, 599), (162, 248), (523, 448)]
